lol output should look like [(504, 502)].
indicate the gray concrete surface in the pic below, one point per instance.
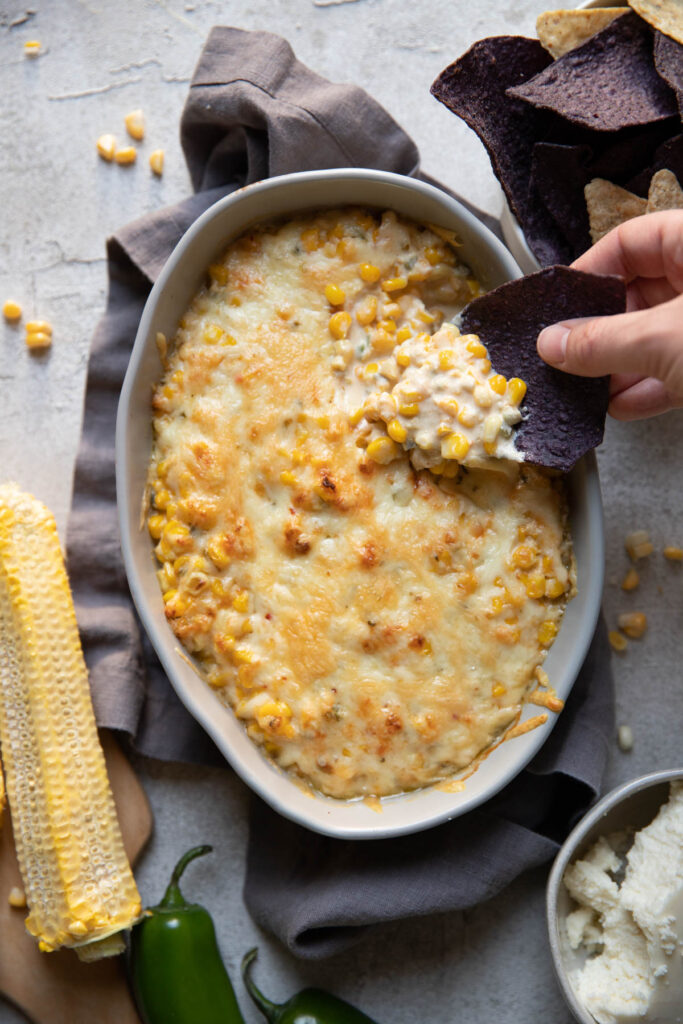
[(58, 202)]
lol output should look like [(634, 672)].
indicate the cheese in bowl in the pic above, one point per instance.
[(375, 625)]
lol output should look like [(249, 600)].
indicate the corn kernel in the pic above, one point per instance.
[(523, 557), (467, 417), (448, 405), (371, 369), (425, 317), (446, 359), (630, 580), (288, 478), (638, 544), (387, 325), (155, 525), (633, 624), (498, 690), (409, 409), (492, 425), (135, 124), (335, 295), (554, 588), (356, 416), (244, 656), (617, 640), (547, 632), (16, 897), (402, 334), (38, 327), (11, 310), (369, 272), (38, 340), (241, 601), (339, 325), (535, 586), (475, 348), (383, 342), (213, 334), (367, 311), (396, 431), (394, 284), (433, 255), (32, 48), (216, 551), (498, 383), (673, 554), (403, 358), (516, 390), (126, 155), (107, 145), (383, 450), (625, 738), (455, 447), (156, 163), (311, 239)]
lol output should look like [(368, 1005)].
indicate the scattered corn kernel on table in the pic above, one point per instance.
[(97, 63)]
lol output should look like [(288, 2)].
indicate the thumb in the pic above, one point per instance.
[(647, 342)]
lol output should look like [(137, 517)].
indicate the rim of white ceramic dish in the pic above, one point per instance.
[(566, 854), (510, 227), (420, 809)]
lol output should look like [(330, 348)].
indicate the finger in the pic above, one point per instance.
[(619, 382), (648, 246), (648, 342), (645, 292), (648, 397)]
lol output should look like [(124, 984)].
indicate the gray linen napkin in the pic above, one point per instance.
[(255, 111)]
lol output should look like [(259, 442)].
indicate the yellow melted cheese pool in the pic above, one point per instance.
[(375, 626)]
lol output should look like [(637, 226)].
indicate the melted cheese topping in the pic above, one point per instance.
[(376, 628)]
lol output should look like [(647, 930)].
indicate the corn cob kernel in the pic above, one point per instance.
[(396, 431), (633, 624), (498, 383), (524, 556), (126, 155), (38, 339), (554, 588), (335, 295), (475, 348), (498, 690), (630, 580), (673, 554), (617, 640), (425, 317), (156, 162), (402, 334), (135, 125), (106, 147), (11, 310), (79, 886), (32, 48), (547, 632), (394, 284)]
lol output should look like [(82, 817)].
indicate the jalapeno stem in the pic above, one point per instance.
[(269, 1009), (173, 896)]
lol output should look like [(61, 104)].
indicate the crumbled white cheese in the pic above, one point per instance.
[(634, 929)]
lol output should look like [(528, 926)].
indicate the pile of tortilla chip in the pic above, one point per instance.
[(583, 125)]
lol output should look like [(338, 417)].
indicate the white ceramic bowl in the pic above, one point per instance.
[(509, 225), (172, 293), (633, 805)]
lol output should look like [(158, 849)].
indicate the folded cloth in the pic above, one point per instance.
[(254, 111)]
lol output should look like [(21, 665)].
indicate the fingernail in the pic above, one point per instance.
[(552, 344)]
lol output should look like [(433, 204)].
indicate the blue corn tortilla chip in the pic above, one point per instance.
[(558, 176), (669, 156), (564, 414), (607, 84), (474, 88), (669, 64)]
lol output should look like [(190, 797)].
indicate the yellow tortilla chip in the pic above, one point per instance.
[(610, 205), (561, 31), (665, 192), (664, 15)]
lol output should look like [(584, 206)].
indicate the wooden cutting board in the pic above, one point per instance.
[(56, 988)]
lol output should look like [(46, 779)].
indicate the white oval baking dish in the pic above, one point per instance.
[(172, 293)]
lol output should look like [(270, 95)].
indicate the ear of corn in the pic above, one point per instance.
[(79, 886)]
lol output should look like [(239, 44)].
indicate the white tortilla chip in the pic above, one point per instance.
[(561, 31), (664, 15), (665, 192), (610, 205)]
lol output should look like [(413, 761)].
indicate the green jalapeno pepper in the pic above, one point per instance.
[(176, 970), (310, 1006)]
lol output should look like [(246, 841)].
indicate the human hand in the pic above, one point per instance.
[(641, 349)]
